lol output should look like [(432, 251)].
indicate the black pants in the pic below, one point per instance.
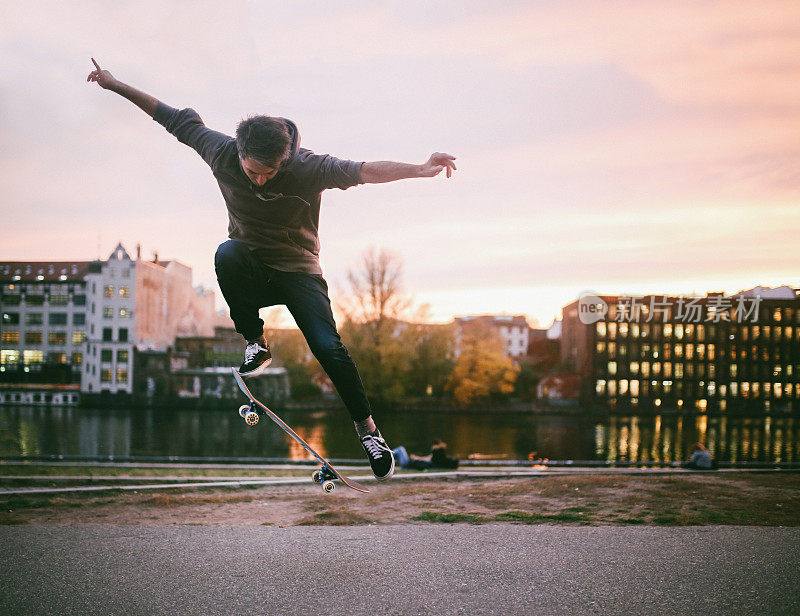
[(247, 285)]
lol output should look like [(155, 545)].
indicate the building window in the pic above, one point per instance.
[(108, 334), (59, 299), (12, 300), (108, 291), (600, 387), (33, 337), (10, 318), (105, 376), (612, 367), (106, 355), (57, 338), (122, 356), (601, 329), (79, 318), (57, 358), (9, 356), (79, 300), (32, 357), (78, 337), (77, 359), (34, 300), (108, 312), (124, 313), (123, 334), (122, 376), (10, 336), (34, 318), (58, 318), (124, 292)]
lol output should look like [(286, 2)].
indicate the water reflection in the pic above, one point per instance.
[(32, 431)]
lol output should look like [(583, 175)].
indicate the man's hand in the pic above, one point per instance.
[(436, 163), (107, 81), (387, 171), (103, 78)]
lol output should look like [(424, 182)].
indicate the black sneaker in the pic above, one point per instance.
[(256, 358), (380, 456)]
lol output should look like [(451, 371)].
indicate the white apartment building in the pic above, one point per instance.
[(513, 331), (77, 323)]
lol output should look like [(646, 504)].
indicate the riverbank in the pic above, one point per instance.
[(599, 498)]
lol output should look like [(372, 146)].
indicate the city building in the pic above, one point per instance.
[(713, 353), (513, 331), (75, 324)]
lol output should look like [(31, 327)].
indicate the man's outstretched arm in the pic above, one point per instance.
[(107, 81), (387, 171)]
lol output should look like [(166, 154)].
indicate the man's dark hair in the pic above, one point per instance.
[(264, 139)]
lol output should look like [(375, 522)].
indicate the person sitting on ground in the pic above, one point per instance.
[(701, 458), (438, 458)]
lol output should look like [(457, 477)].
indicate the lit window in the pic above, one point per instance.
[(667, 330), (634, 367), (678, 371), (32, 357), (124, 313), (623, 329), (57, 338), (9, 356), (612, 367), (59, 300), (78, 337), (122, 355), (33, 337), (108, 312), (600, 387), (122, 376), (679, 331), (124, 292), (634, 386), (105, 376), (108, 291), (77, 358), (10, 336)]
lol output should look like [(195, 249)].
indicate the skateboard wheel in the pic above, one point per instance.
[(243, 409), (251, 418), (328, 486), (317, 476)]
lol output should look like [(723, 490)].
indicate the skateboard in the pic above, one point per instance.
[(324, 475)]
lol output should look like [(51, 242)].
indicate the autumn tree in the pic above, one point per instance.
[(482, 369)]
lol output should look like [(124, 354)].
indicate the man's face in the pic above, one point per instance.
[(258, 172)]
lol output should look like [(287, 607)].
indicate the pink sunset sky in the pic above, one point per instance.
[(619, 147)]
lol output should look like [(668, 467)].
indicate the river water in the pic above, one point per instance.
[(42, 431)]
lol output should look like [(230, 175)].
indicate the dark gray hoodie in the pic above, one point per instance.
[(279, 220)]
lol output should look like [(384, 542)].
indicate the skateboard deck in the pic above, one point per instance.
[(324, 475)]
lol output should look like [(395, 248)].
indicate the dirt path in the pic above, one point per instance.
[(599, 499)]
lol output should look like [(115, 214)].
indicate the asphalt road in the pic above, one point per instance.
[(398, 570)]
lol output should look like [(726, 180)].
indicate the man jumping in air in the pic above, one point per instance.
[(272, 188)]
